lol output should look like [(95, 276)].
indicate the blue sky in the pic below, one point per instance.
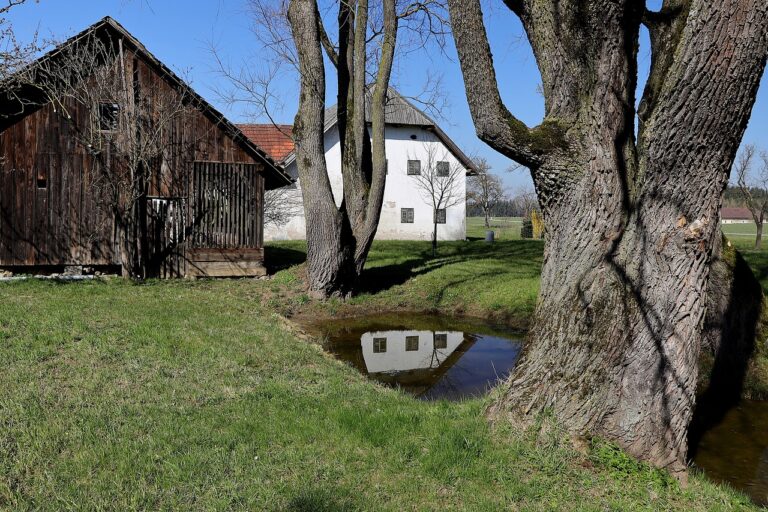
[(181, 32)]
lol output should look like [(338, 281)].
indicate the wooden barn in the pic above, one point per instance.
[(110, 161)]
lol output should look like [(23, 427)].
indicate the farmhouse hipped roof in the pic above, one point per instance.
[(109, 29), (401, 112), (735, 214), (274, 139)]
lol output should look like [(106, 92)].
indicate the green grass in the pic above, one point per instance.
[(499, 280), (195, 395), (504, 228)]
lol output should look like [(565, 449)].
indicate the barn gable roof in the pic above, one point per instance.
[(109, 29)]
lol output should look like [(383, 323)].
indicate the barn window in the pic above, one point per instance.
[(411, 343), (42, 181), (440, 216), (443, 169), (414, 167), (108, 116), (441, 341), (379, 345), (406, 215)]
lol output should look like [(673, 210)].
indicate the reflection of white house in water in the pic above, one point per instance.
[(398, 351)]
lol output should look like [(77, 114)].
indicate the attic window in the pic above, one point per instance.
[(108, 116), (443, 169)]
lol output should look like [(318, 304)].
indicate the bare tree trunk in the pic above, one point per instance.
[(759, 235), (329, 251), (434, 235), (630, 227), (487, 218), (338, 239)]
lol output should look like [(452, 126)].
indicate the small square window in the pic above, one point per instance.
[(108, 116), (406, 215), (440, 216), (441, 340), (379, 345), (414, 167), (411, 343), (443, 169)]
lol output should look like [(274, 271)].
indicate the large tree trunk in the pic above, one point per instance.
[(759, 234), (329, 255), (339, 239), (630, 226)]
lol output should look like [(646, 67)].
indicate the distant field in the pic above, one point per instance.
[(745, 230), (504, 228)]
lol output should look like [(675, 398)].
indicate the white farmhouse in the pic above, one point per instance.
[(413, 141)]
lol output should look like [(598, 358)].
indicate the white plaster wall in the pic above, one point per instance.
[(400, 191), (397, 359)]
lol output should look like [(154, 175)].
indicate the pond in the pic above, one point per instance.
[(429, 357), (736, 450)]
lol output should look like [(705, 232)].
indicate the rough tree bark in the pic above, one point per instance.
[(338, 239), (631, 224)]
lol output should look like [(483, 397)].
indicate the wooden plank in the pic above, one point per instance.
[(215, 254), (226, 269)]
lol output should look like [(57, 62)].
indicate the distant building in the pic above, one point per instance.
[(410, 138), (735, 216)]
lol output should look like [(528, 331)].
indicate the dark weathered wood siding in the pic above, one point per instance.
[(67, 222)]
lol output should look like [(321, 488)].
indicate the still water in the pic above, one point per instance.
[(736, 450), (429, 357)]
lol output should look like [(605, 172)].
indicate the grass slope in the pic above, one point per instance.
[(195, 395)]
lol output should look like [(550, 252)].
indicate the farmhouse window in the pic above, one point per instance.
[(406, 215), (414, 167), (379, 345), (443, 169), (441, 341), (411, 343), (108, 116), (440, 216)]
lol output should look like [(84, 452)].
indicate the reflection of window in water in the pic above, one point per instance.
[(379, 345), (411, 343), (441, 340)]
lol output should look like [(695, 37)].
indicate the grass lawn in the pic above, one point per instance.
[(198, 395)]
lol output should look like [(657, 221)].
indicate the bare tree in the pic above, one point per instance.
[(631, 218), (124, 123), (359, 42), (440, 184), (753, 187), (485, 189)]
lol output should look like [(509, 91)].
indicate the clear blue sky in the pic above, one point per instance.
[(180, 33)]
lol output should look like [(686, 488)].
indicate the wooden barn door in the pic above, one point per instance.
[(165, 226), (226, 217)]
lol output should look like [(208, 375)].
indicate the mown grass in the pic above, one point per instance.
[(197, 396), (498, 281)]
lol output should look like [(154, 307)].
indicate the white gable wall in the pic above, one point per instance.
[(400, 191)]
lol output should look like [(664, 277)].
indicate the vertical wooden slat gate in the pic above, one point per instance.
[(227, 220)]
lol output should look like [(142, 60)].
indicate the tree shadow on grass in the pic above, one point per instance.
[(279, 257), (377, 278), (317, 499)]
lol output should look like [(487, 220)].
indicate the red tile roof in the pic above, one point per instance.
[(735, 214), (274, 139)]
